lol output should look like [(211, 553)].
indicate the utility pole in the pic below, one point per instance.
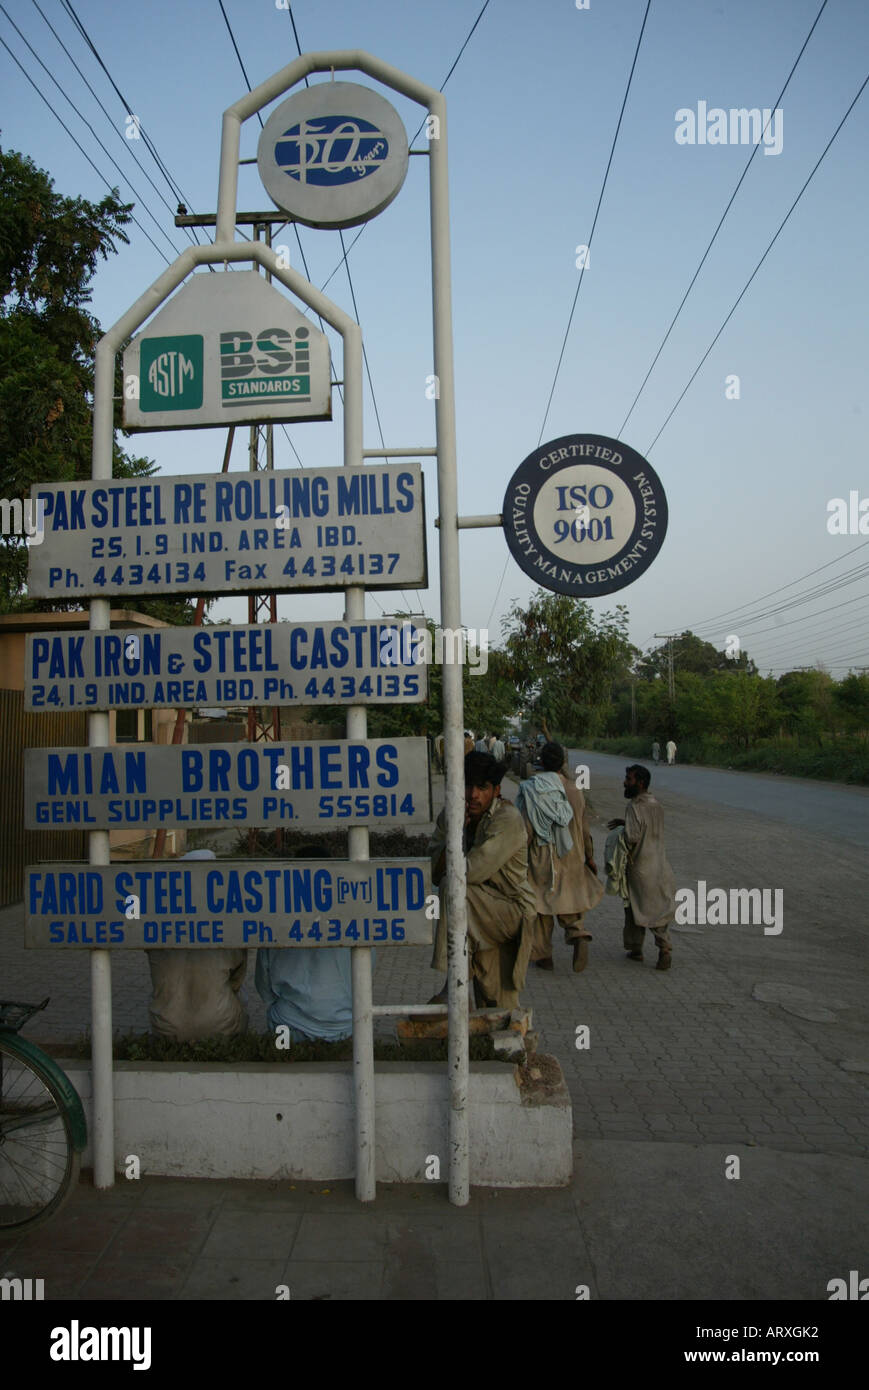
[(671, 679)]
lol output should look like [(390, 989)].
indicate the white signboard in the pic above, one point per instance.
[(375, 782), (227, 348), (333, 155), (338, 663), (306, 528), (233, 902)]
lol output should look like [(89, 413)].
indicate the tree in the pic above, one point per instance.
[(50, 247), (563, 663), (489, 697), (691, 654)]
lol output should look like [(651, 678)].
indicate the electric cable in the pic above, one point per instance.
[(748, 282), (720, 224), (174, 187), (111, 187), (82, 117), (128, 143), (582, 271), (728, 611), (594, 222)]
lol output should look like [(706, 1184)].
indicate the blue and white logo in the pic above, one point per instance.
[(331, 150), (333, 155)]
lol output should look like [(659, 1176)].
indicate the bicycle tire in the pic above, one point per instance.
[(39, 1160)]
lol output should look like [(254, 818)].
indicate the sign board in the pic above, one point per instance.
[(333, 155), (346, 663), (227, 348), (265, 532), (238, 902), (350, 782), (585, 515)]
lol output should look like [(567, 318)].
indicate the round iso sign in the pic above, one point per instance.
[(585, 515), (333, 155)]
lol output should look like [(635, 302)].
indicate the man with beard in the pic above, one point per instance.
[(651, 885), (501, 904)]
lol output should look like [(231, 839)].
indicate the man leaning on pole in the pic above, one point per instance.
[(501, 904)]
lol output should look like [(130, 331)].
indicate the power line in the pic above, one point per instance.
[(111, 187), (720, 224), (594, 223), (419, 127), (728, 611), (175, 189), (582, 272), (124, 141), (745, 287), (818, 591), (83, 118)]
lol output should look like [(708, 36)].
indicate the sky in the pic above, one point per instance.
[(532, 108)]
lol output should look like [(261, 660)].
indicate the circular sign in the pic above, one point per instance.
[(585, 515), (333, 155)]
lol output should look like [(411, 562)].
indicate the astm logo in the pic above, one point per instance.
[(331, 150), (171, 373)]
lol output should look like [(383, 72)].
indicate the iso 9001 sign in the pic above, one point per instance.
[(585, 515)]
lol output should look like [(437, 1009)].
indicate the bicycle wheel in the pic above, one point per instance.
[(39, 1163)]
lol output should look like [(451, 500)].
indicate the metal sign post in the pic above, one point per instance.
[(101, 472), (445, 424)]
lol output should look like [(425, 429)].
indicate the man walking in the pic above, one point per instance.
[(671, 753), (656, 752), (501, 904), (561, 863), (651, 885)]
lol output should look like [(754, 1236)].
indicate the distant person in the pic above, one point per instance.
[(500, 900), (650, 882), (482, 744), (308, 989), (561, 863), (497, 749), (195, 991), (469, 742), (656, 752), (671, 753)]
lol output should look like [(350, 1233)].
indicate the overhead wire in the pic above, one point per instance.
[(129, 144), (143, 204), (587, 248), (111, 187), (721, 220), (748, 282), (176, 190), (728, 611), (418, 129)]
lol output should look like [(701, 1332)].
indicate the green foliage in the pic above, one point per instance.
[(563, 662), (489, 698), (50, 247)]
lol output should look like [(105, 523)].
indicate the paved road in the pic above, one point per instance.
[(826, 807), (753, 1045)]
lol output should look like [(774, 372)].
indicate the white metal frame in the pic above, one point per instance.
[(226, 249)]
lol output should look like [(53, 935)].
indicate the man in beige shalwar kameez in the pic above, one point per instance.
[(501, 905), (651, 884), (566, 886)]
